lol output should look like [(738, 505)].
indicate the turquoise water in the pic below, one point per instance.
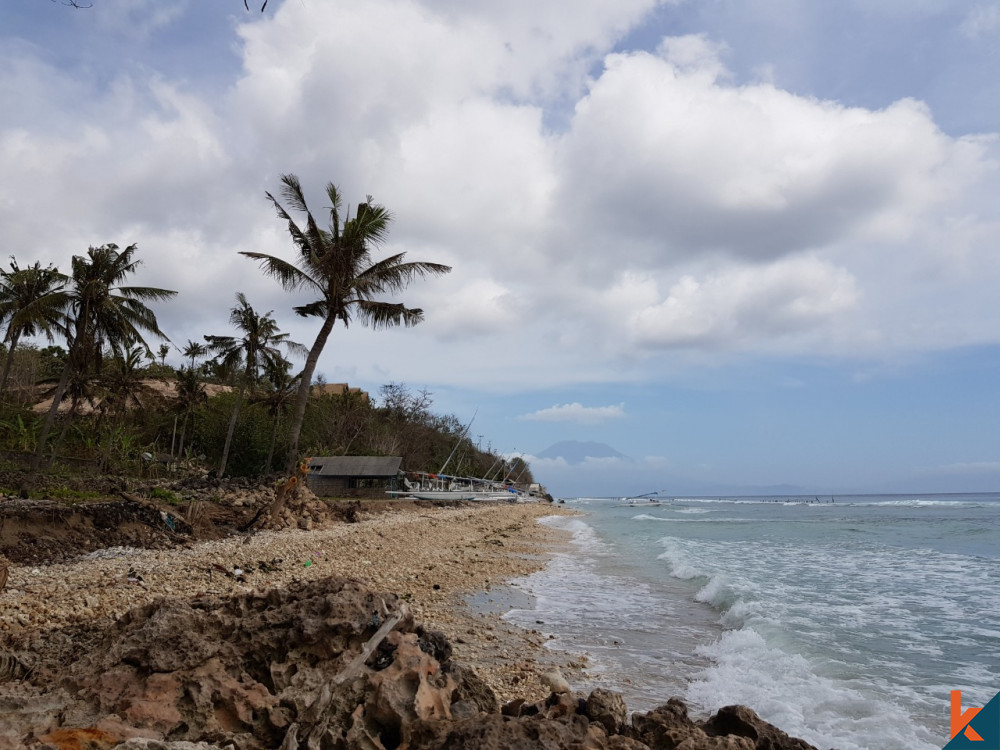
[(846, 621)]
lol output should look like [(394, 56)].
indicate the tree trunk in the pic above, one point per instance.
[(180, 446), (72, 362), (232, 429), (302, 397), (105, 464), (50, 418), (274, 439), (8, 363)]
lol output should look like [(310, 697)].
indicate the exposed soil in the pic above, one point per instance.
[(44, 520)]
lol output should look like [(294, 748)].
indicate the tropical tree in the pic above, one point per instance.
[(280, 390), (122, 386), (336, 265), (122, 390), (100, 312), (190, 395), (194, 350), (254, 349), (29, 306)]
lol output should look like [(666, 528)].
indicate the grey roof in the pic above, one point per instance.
[(355, 466)]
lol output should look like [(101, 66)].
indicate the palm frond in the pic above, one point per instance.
[(145, 293), (392, 275), (290, 277), (387, 315), (333, 195), (317, 309), (291, 191)]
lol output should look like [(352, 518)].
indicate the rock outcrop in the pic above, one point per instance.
[(323, 665)]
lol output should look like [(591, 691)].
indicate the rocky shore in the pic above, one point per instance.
[(336, 635)]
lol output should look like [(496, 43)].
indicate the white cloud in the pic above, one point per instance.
[(678, 163), (676, 210), (577, 412), (741, 305), (475, 308)]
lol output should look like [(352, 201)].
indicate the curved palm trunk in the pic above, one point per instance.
[(302, 397), (50, 418), (180, 445), (173, 437), (232, 428), (8, 363), (274, 440)]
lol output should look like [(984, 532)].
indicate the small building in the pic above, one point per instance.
[(352, 476), (338, 389)]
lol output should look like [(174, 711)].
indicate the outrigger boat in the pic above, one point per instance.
[(442, 486), (642, 501), (423, 486)]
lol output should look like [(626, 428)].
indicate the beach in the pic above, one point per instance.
[(386, 630), (432, 557)]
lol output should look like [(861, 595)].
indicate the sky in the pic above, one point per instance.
[(746, 246)]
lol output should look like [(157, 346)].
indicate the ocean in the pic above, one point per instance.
[(844, 620)]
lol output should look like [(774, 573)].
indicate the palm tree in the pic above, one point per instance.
[(281, 390), (122, 391), (28, 306), (336, 265), (190, 395), (100, 312), (194, 350), (257, 347)]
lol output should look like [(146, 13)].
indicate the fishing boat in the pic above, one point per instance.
[(441, 486), (647, 500), (425, 486)]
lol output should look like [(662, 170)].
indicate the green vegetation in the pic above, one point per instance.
[(167, 496), (97, 398)]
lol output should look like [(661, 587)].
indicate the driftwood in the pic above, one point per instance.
[(355, 666), (3, 577), (291, 741), (314, 718)]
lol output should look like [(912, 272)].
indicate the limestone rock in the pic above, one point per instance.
[(555, 682), (608, 709), (744, 722), (733, 728)]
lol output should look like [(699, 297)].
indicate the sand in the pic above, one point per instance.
[(435, 558)]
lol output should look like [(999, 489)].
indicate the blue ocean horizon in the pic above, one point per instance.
[(843, 619)]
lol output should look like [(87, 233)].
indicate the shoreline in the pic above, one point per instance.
[(383, 633), (436, 559)]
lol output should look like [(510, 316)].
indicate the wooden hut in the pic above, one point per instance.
[(352, 476)]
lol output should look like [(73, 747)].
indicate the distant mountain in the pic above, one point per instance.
[(576, 452)]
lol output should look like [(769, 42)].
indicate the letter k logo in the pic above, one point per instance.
[(960, 720)]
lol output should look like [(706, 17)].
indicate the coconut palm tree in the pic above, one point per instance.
[(281, 388), (190, 395), (194, 350), (336, 265), (122, 390), (28, 305), (257, 347), (100, 312)]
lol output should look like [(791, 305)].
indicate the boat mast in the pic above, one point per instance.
[(461, 437)]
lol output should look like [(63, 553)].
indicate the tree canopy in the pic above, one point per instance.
[(336, 267)]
